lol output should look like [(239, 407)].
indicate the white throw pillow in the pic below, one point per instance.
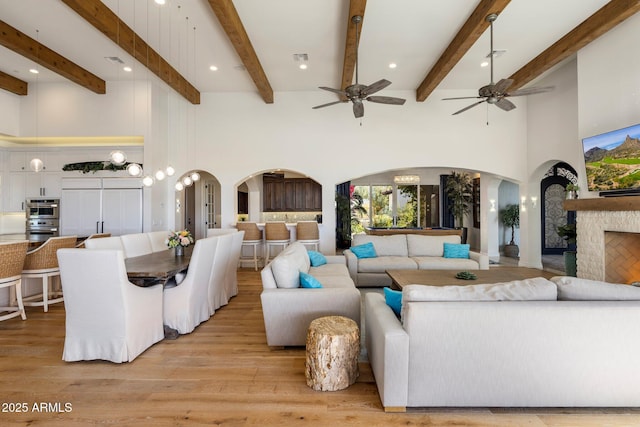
[(395, 245), (574, 288), (286, 267), (535, 289)]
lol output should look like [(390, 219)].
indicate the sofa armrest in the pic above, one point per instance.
[(288, 312), (335, 259), (481, 259), (388, 350), (352, 264)]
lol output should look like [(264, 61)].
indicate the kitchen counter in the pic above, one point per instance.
[(34, 242)]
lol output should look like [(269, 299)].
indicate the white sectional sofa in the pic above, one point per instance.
[(406, 251), (580, 350), (288, 309)]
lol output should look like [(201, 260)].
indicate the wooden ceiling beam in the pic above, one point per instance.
[(22, 44), (593, 27), (108, 23), (232, 25), (470, 32), (13, 84), (356, 8)]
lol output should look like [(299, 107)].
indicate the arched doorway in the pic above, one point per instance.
[(197, 202), (552, 191)]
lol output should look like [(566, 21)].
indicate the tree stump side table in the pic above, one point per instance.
[(333, 346)]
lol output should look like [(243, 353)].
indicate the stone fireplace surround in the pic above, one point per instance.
[(594, 218)]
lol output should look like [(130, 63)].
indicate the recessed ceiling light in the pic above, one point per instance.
[(303, 66), (213, 68), (393, 65), (127, 69), (34, 71), (484, 63)]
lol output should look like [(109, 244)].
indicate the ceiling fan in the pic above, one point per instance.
[(357, 93), (497, 93)]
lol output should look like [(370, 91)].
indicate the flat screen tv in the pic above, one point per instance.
[(612, 160)]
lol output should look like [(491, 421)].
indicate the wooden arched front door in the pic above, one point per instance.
[(553, 214)]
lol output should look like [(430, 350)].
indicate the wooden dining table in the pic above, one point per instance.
[(156, 267)]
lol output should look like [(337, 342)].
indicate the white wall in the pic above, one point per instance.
[(9, 113)]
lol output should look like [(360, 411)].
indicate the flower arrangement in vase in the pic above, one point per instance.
[(179, 240)]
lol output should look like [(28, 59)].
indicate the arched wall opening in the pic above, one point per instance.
[(197, 202)]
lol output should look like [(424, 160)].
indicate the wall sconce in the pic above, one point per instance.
[(493, 205), (36, 165), (534, 201), (523, 206)]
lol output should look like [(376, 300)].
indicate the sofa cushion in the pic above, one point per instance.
[(308, 281), (442, 263), (366, 250), (395, 245), (535, 289), (383, 263), (329, 270), (419, 245), (456, 250), (286, 267), (316, 258), (574, 288), (393, 299)]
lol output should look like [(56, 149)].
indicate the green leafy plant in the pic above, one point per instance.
[(510, 217), (568, 232), (459, 189), (572, 187), (86, 167)]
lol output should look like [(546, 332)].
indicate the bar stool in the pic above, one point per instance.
[(275, 234), (12, 255), (252, 238), (42, 263), (307, 233)]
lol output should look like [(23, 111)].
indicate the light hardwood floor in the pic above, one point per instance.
[(221, 374)]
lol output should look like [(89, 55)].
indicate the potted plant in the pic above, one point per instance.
[(459, 188), (569, 234), (572, 190), (510, 217)]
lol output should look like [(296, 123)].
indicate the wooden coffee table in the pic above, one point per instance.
[(401, 278)]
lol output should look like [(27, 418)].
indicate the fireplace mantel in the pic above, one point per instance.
[(622, 203)]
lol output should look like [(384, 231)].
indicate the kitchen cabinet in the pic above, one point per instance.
[(20, 161), (291, 194), (29, 185), (95, 205)]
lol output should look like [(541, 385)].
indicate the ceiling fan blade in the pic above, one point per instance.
[(505, 104), (469, 107), (328, 104), (358, 109), (330, 89), (464, 97), (502, 86), (386, 100), (531, 91), (375, 87)]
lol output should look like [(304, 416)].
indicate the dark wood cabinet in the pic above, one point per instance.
[(291, 194)]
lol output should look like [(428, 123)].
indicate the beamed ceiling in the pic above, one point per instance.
[(436, 44)]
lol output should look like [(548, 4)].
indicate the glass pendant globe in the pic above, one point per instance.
[(117, 158), (187, 181), (170, 170), (179, 186), (147, 181), (195, 176), (160, 175), (134, 169), (36, 165)]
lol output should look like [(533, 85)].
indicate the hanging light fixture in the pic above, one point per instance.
[(179, 186), (134, 169), (187, 181), (36, 165), (147, 181), (160, 175), (195, 176), (117, 158), (170, 170)]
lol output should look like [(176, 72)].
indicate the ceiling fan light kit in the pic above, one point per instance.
[(356, 93), (496, 93)]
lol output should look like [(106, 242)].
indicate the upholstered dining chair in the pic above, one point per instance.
[(275, 234), (107, 317), (12, 255), (186, 305), (136, 244), (41, 263), (252, 239), (93, 236), (158, 240), (113, 242), (307, 233), (217, 294), (231, 276)]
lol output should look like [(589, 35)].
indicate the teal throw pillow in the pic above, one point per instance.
[(364, 251), (316, 258), (456, 250), (308, 281), (393, 299)]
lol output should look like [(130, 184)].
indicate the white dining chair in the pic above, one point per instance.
[(12, 255), (113, 242), (186, 305), (218, 295), (107, 317), (136, 244), (231, 275), (158, 240)]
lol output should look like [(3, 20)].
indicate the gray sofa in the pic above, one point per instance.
[(288, 309), (579, 350), (404, 252)]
